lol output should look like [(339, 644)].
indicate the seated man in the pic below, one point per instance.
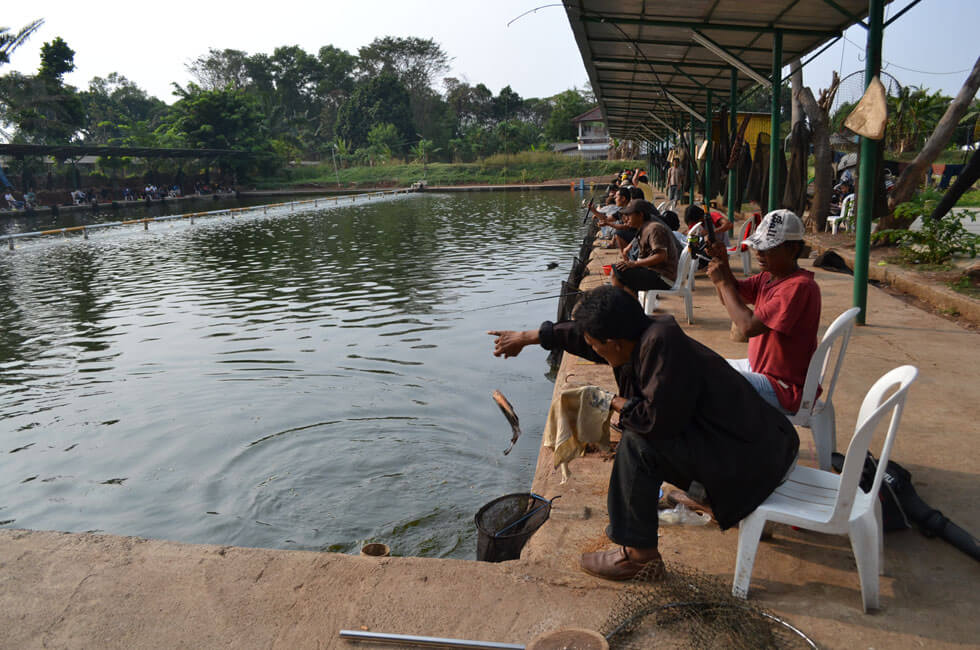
[(782, 331), (693, 216), (686, 416), (621, 232), (651, 261), (12, 203)]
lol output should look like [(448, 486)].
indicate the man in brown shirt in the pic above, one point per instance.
[(651, 261)]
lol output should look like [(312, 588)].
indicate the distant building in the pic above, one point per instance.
[(593, 137)]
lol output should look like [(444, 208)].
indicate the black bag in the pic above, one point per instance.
[(901, 506), (893, 483)]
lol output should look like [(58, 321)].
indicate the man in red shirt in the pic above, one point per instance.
[(782, 329)]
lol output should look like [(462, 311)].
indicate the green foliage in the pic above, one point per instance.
[(567, 105), (938, 240), (42, 108), (526, 166), (381, 99), (10, 42), (57, 59), (218, 119), (912, 117), (112, 103)]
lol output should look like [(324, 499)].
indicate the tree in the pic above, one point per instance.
[(219, 119), (57, 60), (43, 109), (113, 102), (383, 140), (378, 99), (10, 42), (220, 69), (416, 62), (507, 104), (911, 176), (567, 105)]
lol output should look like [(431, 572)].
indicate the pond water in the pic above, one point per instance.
[(308, 380)]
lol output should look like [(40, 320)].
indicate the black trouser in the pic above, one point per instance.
[(634, 490), (640, 278)]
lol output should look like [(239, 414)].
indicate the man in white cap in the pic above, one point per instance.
[(782, 327)]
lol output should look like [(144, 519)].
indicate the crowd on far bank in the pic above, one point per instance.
[(29, 200), (717, 428)]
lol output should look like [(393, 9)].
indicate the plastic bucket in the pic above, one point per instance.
[(505, 524), (607, 269)]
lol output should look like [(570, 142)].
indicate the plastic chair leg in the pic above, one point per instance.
[(864, 533), (824, 427), (746, 263), (749, 533), (689, 307)]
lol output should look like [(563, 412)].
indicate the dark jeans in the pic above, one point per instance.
[(634, 489), (640, 278)]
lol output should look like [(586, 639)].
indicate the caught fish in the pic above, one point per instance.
[(511, 416)]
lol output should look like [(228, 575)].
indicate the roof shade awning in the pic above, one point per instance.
[(650, 58)]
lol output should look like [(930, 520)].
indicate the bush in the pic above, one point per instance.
[(938, 240)]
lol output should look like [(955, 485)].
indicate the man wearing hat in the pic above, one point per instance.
[(782, 327), (651, 260)]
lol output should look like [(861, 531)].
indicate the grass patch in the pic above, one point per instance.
[(526, 167), (965, 286), (969, 199)]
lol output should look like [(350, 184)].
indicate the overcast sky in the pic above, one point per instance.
[(536, 56)]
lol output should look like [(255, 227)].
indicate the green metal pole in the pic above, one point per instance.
[(733, 128), (775, 141), (868, 171), (694, 163), (707, 160)]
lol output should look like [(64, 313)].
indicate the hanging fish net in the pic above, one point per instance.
[(688, 609)]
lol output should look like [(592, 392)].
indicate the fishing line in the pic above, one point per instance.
[(519, 302)]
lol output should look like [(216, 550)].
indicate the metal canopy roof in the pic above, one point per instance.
[(640, 53)]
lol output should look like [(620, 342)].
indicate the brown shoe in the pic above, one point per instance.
[(617, 565)]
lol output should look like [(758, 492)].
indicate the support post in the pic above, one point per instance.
[(693, 164), (707, 157), (775, 141), (868, 171), (733, 129)]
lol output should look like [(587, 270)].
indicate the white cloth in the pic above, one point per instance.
[(577, 417)]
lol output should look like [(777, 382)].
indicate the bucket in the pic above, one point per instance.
[(607, 269), (505, 524)]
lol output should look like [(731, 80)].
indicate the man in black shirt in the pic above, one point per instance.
[(686, 416)]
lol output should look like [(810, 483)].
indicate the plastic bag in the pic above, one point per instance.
[(681, 514)]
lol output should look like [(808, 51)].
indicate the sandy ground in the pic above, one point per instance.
[(62, 590)]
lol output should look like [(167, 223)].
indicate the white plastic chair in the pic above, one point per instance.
[(830, 503), (741, 248), (833, 223), (817, 414), (683, 286)]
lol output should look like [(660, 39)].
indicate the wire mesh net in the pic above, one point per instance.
[(688, 609)]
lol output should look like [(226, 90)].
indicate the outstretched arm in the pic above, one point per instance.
[(510, 343)]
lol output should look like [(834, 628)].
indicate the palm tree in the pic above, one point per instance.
[(10, 42)]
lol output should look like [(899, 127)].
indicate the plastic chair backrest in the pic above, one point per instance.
[(846, 205), (684, 268), (743, 234), (873, 409), (823, 361)]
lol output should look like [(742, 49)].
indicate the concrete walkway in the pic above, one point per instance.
[(82, 591)]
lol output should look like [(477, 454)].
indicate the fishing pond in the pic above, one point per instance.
[(313, 378)]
